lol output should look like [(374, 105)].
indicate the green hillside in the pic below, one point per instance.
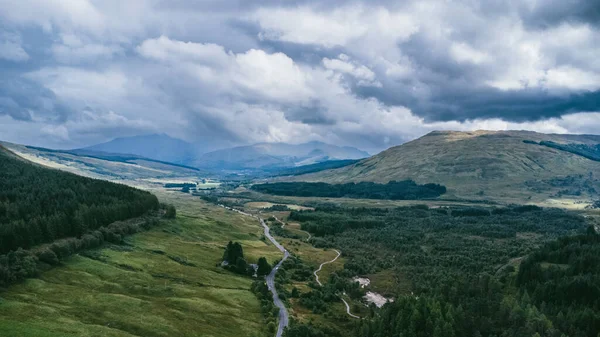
[(509, 166), (40, 205)]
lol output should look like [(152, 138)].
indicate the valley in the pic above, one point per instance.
[(306, 168), (351, 253)]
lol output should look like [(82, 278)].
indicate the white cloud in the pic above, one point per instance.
[(462, 52), (537, 58), (364, 75), (165, 49), (572, 78), (338, 27), (251, 74), (275, 76)]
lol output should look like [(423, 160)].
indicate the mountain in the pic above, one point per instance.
[(271, 155), (102, 165), (157, 146), (504, 165)]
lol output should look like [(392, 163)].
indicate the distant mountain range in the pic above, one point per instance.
[(508, 166), (276, 155), (157, 146), (262, 156)]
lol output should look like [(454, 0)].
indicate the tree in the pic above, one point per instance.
[(48, 256), (241, 266), (264, 268), (591, 230), (233, 251), (171, 212)]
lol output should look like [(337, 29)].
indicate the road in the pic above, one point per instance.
[(283, 313), (348, 309), (319, 282), (283, 225), (284, 318), (321, 266)]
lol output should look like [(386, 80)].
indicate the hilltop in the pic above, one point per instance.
[(508, 166)]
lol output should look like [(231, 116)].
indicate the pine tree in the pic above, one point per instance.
[(264, 267)]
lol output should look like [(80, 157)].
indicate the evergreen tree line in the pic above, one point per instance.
[(20, 264), (394, 190), (40, 205)]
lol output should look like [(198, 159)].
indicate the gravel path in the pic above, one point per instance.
[(321, 266)]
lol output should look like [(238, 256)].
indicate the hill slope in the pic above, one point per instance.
[(40, 205), (101, 165), (504, 165), (270, 155), (158, 147)]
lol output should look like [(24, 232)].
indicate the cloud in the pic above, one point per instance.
[(462, 52), (73, 49), (11, 48), (364, 73), (251, 75), (26, 100)]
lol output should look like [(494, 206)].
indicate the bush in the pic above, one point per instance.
[(48, 256), (171, 212)]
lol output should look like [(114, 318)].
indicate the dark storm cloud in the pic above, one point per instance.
[(518, 106), (552, 12), (312, 114), (467, 103)]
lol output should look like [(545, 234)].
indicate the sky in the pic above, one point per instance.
[(369, 74)]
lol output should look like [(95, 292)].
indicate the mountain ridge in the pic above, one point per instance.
[(259, 156), (269, 155), (480, 164)]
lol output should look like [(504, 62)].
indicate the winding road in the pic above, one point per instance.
[(284, 318), (319, 282), (348, 309), (283, 225), (321, 266)]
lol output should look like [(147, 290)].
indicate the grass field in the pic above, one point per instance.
[(139, 289)]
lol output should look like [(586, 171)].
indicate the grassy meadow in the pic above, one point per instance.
[(163, 282)]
